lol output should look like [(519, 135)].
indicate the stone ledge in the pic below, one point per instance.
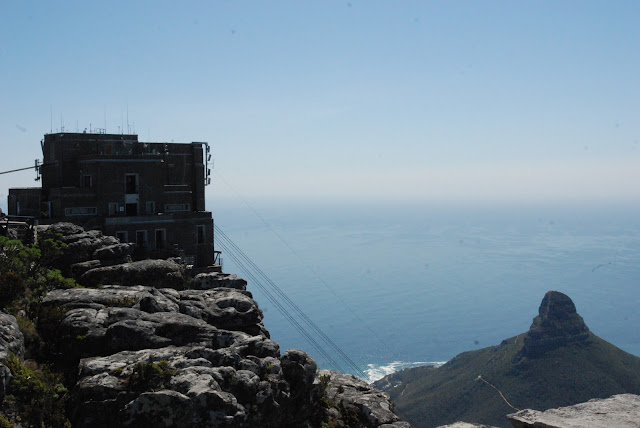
[(620, 411)]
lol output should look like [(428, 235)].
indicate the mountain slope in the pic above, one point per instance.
[(558, 362)]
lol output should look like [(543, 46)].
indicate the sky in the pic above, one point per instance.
[(346, 100)]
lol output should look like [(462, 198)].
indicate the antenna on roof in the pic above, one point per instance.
[(51, 123), (105, 118), (128, 128)]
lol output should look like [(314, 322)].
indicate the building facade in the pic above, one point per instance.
[(151, 194)]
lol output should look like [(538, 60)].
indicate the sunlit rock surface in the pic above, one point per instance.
[(619, 411), (151, 346)]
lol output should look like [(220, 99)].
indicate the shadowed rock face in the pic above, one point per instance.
[(556, 325), (146, 352)]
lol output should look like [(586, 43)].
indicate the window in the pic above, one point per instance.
[(113, 209), (161, 238), (202, 237), (87, 181), (122, 235), (150, 208), (141, 238), (131, 209), (80, 211), (176, 207), (131, 183)]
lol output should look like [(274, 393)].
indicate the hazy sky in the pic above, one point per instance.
[(451, 100)]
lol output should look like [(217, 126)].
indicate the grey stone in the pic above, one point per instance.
[(224, 308), (77, 269), (206, 281), (160, 409), (152, 273), (115, 251), (11, 338), (464, 425), (11, 341), (373, 407), (620, 411), (203, 394)]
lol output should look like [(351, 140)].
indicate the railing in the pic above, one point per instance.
[(217, 259), (21, 225)]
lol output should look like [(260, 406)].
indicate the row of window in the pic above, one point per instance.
[(160, 242), (126, 209), (131, 183)]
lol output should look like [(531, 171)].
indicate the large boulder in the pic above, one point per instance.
[(224, 308), (620, 411), (153, 273), (11, 338), (89, 322), (87, 249), (181, 386), (353, 402), (208, 280), (11, 342)]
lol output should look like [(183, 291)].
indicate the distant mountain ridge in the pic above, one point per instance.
[(558, 362)]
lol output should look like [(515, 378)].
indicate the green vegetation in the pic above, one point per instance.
[(36, 395), (123, 302), (568, 375), (28, 273), (150, 376)]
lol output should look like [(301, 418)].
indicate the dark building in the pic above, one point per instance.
[(151, 194)]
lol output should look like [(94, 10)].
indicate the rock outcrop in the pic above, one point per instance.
[(153, 273), (558, 362), (619, 411), (205, 281), (350, 398), (465, 425), (148, 346), (88, 249), (11, 342), (556, 325)]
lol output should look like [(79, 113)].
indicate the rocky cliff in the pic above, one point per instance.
[(147, 344)]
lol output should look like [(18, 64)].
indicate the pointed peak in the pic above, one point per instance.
[(556, 305), (556, 325)]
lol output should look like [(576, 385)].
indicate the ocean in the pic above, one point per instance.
[(396, 285)]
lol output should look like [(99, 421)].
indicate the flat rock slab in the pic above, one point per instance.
[(465, 425), (153, 273), (620, 411)]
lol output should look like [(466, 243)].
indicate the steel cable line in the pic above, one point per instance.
[(283, 310), (292, 305), (312, 270), (295, 307), (247, 271), (240, 258)]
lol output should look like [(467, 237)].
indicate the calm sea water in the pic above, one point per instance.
[(396, 285)]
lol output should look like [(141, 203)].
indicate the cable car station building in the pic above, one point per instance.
[(151, 194)]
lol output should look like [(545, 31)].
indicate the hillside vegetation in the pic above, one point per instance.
[(557, 363)]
